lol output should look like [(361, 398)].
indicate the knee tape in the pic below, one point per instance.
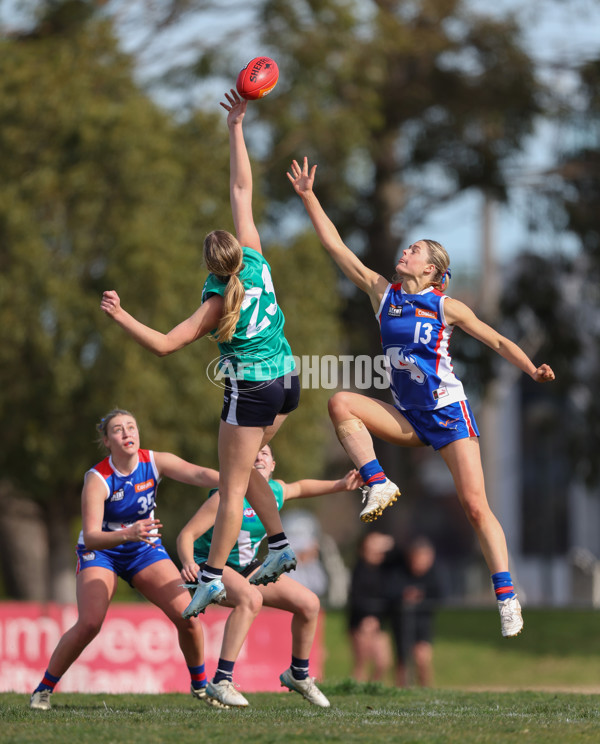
[(347, 427)]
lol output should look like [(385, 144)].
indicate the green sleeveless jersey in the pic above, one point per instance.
[(250, 537), (258, 349)]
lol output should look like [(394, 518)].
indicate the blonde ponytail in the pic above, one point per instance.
[(224, 257), (441, 260), (234, 296)]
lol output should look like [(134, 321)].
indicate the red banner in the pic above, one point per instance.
[(137, 649)]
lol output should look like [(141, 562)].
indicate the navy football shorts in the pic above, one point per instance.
[(258, 402)]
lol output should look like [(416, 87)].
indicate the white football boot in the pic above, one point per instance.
[(41, 700), (511, 619), (378, 497), (276, 563), (306, 687), (205, 593), (224, 692)]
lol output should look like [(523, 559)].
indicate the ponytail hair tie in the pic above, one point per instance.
[(446, 273)]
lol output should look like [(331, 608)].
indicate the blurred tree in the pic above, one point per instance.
[(403, 105), (556, 296), (101, 188)]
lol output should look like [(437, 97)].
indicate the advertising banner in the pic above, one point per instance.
[(137, 649)]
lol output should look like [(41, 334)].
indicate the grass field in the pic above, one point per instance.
[(359, 713), (533, 673)]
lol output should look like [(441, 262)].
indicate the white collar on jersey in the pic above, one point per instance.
[(422, 292), (123, 475)]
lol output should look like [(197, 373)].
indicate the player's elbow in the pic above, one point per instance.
[(185, 537), (167, 345)]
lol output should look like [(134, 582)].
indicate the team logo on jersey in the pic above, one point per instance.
[(394, 311), (249, 512), (144, 486), (117, 495), (405, 363), (89, 556), (420, 313)]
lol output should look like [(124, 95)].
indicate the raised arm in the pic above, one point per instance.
[(205, 319), (202, 521), (457, 313), (302, 179), (240, 174), (172, 466), (308, 488)]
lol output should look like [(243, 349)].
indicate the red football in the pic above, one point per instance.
[(258, 78)]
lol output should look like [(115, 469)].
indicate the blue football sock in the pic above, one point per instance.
[(372, 473), (503, 585), (198, 676), (49, 682)]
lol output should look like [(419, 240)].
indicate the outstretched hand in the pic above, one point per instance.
[(543, 374), (235, 106), (302, 179), (352, 480)]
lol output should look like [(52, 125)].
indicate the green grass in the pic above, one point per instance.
[(558, 649), (359, 713)]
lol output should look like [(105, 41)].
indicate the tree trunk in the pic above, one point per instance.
[(23, 546), (62, 559)]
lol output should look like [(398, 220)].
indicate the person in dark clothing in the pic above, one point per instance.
[(368, 606), (398, 589), (416, 595)]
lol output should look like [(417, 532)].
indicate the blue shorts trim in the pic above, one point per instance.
[(126, 560), (258, 402), (443, 425)]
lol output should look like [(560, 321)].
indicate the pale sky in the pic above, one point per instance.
[(568, 32), (565, 34)]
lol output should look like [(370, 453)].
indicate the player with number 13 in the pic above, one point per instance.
[(416, 319)]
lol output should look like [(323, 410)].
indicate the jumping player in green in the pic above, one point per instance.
[(240, 311)]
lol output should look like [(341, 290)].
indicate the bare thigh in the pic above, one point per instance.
[(382, 419), (96, 586), (270, 431), (160, 584), (238, 589), (238, 447), (288, 594)]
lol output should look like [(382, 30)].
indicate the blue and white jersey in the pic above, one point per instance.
[(128, 497), (415, 339)]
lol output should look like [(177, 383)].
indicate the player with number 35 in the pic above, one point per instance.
[(240, 311)]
